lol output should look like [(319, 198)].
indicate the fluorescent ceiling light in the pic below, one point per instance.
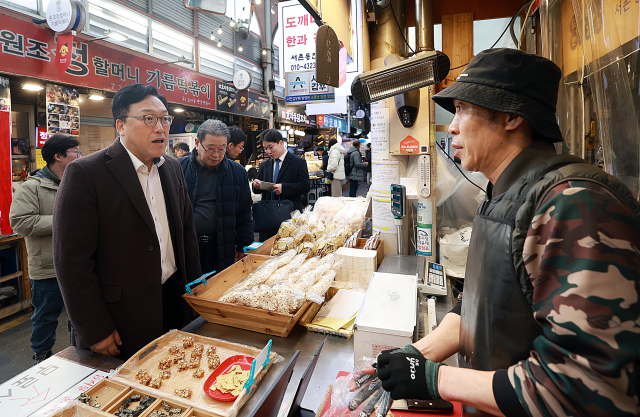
[(32, 86), (178, 110), (426, 68), (96, 95)]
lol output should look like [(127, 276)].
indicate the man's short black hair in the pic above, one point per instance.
[(333, 142), (271, 135), (320, 149), (369, 145), (236, 136), (57, 144), (181, 145), (133, 94)]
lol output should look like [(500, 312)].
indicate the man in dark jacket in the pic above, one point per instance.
[(219, 192), (358, 168), (288, 172), (124, 243)]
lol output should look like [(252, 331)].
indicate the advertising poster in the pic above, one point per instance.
[(63, 112)]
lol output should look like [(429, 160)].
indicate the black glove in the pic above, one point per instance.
[(408, 375)]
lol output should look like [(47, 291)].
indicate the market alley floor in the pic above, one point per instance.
[(15, 347)]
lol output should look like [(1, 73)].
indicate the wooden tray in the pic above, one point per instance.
[(379, 250), (120, 400), (149, 356), (105, 393), (75, 408), (311, 312), (158, 406), (205, 301)]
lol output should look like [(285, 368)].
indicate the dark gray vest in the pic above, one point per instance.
[(497, 328)]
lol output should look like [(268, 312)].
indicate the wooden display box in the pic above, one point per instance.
[(379, 250), (76, 409), (105, 393), (266, 247), (158, 406), (205, 301)]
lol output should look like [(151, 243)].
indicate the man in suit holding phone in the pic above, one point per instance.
[(287, 172)]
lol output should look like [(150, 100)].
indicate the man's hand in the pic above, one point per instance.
[(239, 255), (108, 346), (277, 189), (256, 184), (405, 373)]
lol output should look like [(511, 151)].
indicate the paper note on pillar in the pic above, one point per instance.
[(328, 57)]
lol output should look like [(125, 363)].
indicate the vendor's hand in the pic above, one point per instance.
[(370, 370), (256, 184), (277, 189), (239, 255), (109, 346), (408, 374)]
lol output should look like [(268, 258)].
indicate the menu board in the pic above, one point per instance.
[(63, 112), (230, 100)]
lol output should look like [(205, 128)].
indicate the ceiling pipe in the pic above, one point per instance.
[(424, 25)]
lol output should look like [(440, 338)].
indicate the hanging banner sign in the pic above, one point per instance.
[(41, 137), (63, 52), (292, 114), (302, 88), (243, 100), (28, 49), (298, 37)]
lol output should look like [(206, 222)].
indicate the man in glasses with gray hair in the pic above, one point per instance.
[(220, 197), (123, 233)]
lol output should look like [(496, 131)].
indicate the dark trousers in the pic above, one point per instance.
[(208, 256), (174, 309), (353, 188), (47, 303)]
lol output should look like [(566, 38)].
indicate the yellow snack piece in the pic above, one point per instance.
[(232, 382)]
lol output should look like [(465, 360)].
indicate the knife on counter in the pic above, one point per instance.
[(433, 406)]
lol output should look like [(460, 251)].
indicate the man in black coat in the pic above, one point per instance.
[(219, 192), (288, 172), (124, 241)]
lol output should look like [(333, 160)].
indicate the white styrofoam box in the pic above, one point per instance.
[(358, 265), (387, 317)]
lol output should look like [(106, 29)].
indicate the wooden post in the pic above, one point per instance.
[(457, 43)]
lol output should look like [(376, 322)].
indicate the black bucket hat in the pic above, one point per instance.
[(510, 81)]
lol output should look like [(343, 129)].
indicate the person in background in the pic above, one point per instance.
[(367, 157), (237, 139), (124, 241), (220, 197), (358, 172), (335, 166), (549, 321), (288, 172), (181, 149), (31, 215)]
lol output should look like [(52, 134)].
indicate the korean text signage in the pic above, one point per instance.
[(230, 100), (409, 145), (333, 122), (26, 49), (41, 136), (292, 114), (302, 87), (298, 38)]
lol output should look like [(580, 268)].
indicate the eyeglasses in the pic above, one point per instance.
[(151, 120), (218, 151), (78, 153)]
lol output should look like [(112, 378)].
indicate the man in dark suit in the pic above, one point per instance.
[(123, 233), (288, 172)]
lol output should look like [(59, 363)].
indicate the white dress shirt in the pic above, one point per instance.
[(281, 159), (152, 189)]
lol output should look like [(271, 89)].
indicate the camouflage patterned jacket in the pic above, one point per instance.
[(585, 278)]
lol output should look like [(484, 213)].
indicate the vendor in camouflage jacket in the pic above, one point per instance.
[(549, 321)]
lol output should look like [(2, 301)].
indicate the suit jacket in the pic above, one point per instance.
[(293, 175), (106, 250)]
